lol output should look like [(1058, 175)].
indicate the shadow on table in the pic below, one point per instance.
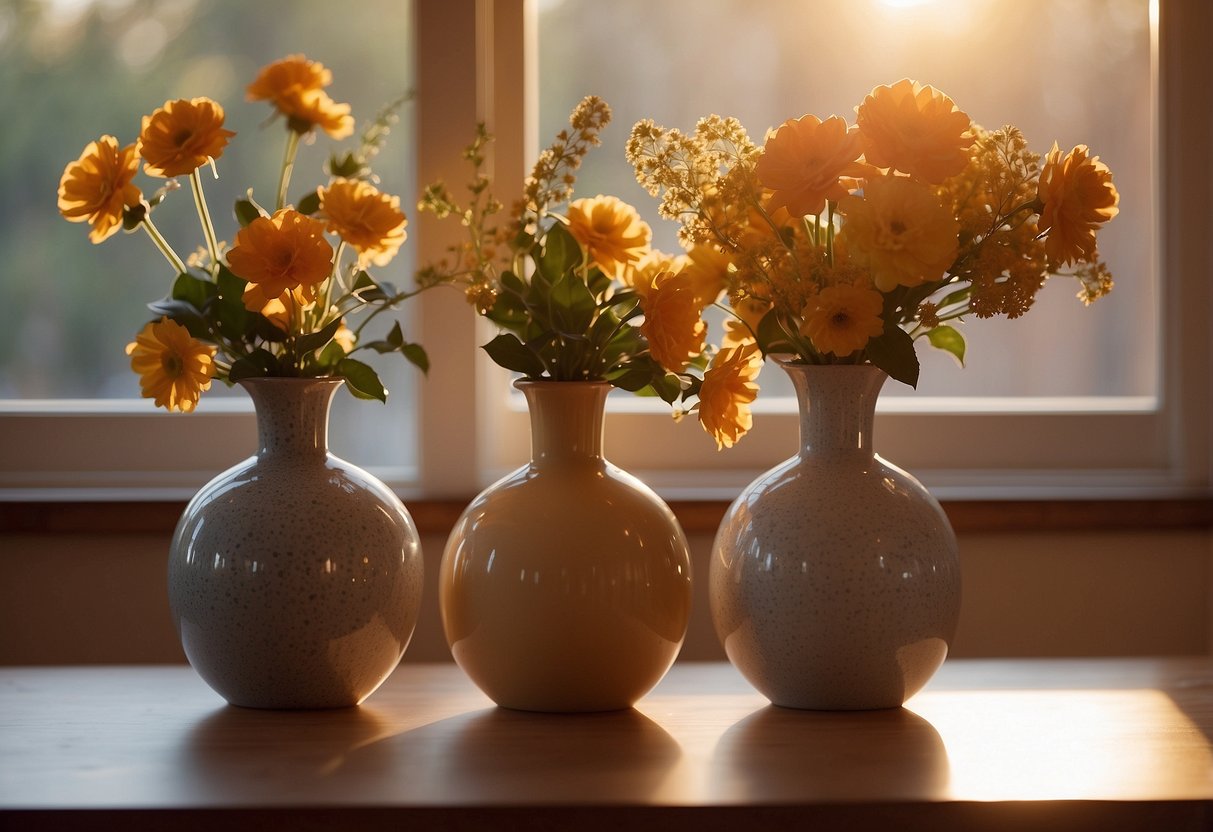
[(780, 755)]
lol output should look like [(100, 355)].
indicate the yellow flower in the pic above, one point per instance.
[(841, 319), (98, 186), (914, 129), (345, 338), (182, 136), (749, 313), (174, 368), (611, 231), (899, 231), (281, 253), (727, 391), (1078, 195), (804, 161), (708, 270), (672, 324), (366, 219), (295, 87), (640, 275)]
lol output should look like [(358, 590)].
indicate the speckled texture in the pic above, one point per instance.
[(295, 578), (566, 586), (835, 577)]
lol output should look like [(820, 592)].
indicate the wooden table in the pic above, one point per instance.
[(1043, 745)]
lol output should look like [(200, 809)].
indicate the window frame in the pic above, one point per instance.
[(475, 61)]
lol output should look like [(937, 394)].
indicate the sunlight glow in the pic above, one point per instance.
[(1048, 744)]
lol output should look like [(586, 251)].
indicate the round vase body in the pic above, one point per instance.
[(566, 585), (294, 577), (835, 577)]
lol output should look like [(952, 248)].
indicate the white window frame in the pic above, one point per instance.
[(476, 62)]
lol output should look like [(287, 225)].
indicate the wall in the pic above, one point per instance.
[(81, 598)]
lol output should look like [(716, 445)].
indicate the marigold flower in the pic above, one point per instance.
[(900, 232), (98, 186), (1078, 196), (611, 231), (281, 253), (295, 88), (708, 270), (366, 219), (804, 161), (726, 393), (672, 324), (915, 129), (182, 136), (174, 367), (842, 319)]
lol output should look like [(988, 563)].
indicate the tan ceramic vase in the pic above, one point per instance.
[(566, 585), (294, 578)]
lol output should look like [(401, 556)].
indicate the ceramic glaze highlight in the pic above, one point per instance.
[(566, 585), (835, 578), (295, 577)]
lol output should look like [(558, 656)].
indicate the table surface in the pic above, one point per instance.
[(1065, 744)]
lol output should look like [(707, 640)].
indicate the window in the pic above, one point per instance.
[(483, 60)]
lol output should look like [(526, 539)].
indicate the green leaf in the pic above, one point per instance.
[(572, 305), (561, 253), (246, 211), (315, 340), (893, 352), (416, 356), (948, 339), (193, 290), (309, 204), (771, 336), (182, 312), (257, 364), (330, 355), (362, 380), (259, 326), (396, 336), (508, 352)]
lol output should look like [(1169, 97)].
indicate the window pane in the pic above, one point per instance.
[(1074, 72), (76, 69)]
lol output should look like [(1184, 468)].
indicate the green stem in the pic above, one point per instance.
[(204, 215), (288, 166), (162, 244)]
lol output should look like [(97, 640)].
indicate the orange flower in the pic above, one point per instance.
[(281, 253), (914, 129), (366, 219), (842, 319), (727, 391), (182, 136), (804, 161), (611, 231), (1078, 195), (899, 231), (672, 324), (295, 87), (174, 368), (640, 275), (98, 186)]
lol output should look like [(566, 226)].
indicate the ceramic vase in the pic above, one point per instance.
[(294, 578), (835, 579), (566, 585)]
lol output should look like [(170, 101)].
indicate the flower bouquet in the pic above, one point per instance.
[(580, 294), (280, 301), (846, 243)]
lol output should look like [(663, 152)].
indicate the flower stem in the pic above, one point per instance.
[(204, 215), (288, 166), (162, 244)]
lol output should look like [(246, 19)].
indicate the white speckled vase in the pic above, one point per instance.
[(566, 586), (294, 578), (835, 578)]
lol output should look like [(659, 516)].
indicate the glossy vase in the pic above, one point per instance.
[(566, 586), (835, 580), (295, 577)]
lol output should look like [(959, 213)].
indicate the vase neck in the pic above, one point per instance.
[(566, 419), (292, 414), (837, 406)]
